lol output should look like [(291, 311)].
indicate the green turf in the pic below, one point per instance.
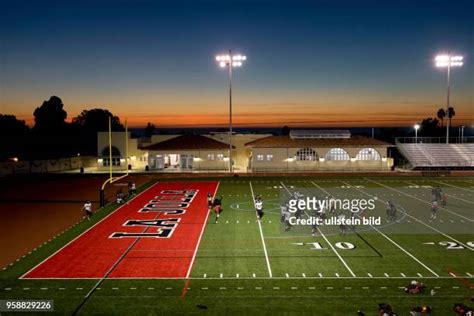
[(231, 273)]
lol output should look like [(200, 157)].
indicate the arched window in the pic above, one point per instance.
[(337, 154), (115, 156), (115, 152), (306, 154), (368, 154)]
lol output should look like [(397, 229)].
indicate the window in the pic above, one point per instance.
[(259, 157), (106, 161), (220, 156), (211, 157), (368, 154), (306, 154), (270, 157), (337, 154)]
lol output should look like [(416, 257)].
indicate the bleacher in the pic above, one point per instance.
[(438, 155)]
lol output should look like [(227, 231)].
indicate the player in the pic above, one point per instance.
[(434, 209), (342, 226), (391, 211), (209, 201), (119, 197), (87, 208), (132, 189), (259, 207), (217, 207), (437, 193), (285, 216), (444, 200)]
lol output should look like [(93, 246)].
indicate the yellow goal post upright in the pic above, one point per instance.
[(111, 179)]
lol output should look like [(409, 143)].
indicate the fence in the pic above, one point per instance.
[(46, 166)]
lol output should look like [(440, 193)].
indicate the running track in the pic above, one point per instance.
[(94, 253)]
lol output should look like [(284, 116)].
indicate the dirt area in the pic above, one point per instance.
[(34, 208)]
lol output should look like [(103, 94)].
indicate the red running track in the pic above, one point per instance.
[(95, 255)]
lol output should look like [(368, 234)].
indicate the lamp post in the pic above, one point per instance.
[(230, 61), (448, 61), (417, 127), (461, 133)]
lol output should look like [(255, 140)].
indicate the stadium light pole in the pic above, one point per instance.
[(447, 61), (461, 132), (230, 61), (417, 127)]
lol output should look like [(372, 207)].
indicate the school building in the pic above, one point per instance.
[(300, 151)]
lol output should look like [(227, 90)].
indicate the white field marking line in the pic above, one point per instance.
[(414, 197), (200, 236), (325, 238), (454, 186), (276, 277), (392, 241), (423, 223), (454, 197), (261, 233), (113, 212)]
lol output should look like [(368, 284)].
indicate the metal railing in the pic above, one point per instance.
[(434, 140)]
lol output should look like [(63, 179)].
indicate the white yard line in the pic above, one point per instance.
[(388, 238), (453, 196), (416, 198), (454, 186), (261, 234), (327, 241)]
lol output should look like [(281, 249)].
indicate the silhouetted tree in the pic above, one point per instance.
[(149, 129), (451, 114), (285, 130), (11, 126), (430, 127), (50, 116), (97, 120), (441, 115)]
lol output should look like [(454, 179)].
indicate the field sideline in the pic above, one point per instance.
[(243, 265)]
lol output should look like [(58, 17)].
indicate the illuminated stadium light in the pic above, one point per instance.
[(416, 127), (230, 61), (447, 61)]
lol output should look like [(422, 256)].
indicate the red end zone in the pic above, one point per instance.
[(156, 235)]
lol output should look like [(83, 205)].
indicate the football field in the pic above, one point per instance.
[(150, 258)]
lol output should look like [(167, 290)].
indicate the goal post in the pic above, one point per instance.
[(111, 179)]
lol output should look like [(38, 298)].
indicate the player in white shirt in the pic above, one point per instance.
[(259, 207), (87, 208)]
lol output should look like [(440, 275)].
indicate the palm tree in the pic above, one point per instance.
[(451, 114), (441, 115)]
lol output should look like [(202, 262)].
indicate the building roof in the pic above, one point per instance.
[(288, 142), (319, 133), (189, 142)]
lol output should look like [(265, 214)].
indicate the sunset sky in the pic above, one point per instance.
[(316, 63)]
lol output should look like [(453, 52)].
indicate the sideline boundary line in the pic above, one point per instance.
[(261, 233)]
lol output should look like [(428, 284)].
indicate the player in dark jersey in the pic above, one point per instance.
[(217, 207)]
